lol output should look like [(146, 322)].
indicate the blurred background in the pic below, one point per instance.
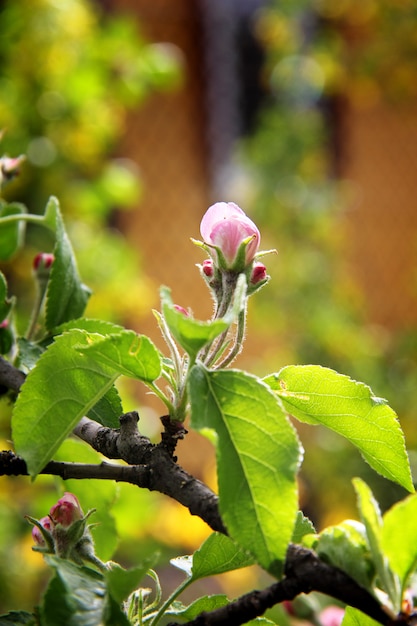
[(138, 115)]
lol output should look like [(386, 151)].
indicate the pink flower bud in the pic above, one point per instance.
[(67, 510), (37, 536), (4, 323), (208, 268), (10, 166), (258, 273), (43, 261), (331, 616), (181, 309), (226, 226)]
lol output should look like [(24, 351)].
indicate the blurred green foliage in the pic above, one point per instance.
[(313, 310), (69, 74)]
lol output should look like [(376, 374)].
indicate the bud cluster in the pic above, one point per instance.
[(65, 532), (232, 241)]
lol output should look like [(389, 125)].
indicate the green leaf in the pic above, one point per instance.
[(61, 389), (11, 235), (193, 610), (318, 395), (353, 617), (74, 377), (399, 538), (372, 520), (121, 582), (303, 526), (219, 554), (66, 296), (29, 353), (5, 302), (258, 457), (345, 546), (16, 618), (77, 596), (127, 352), (191, 334), (108, 409)]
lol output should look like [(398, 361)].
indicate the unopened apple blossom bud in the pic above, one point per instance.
[(181, 309), (9, 167), (66, 511), (43, 261), (208, 268), (331, 616), (258, 273), (37, 536), (229, 231)]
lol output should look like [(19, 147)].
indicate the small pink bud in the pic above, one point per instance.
[(37, 536), (226, 226), (208, 267), (181, 309), (258, 273), (43, 261), (288, 607), (67, 510), (4, 324), (331, 616), (10, 166)]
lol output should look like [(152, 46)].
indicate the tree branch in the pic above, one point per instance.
[(10, 376), (153, 467), (304, 572)]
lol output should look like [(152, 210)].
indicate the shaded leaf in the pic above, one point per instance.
[(121, 582), (76, 596), (11, 235), (16, 618), (258, 456), (318, 395), (66, 296), (5, 302)]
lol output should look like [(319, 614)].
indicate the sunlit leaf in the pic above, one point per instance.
[(303, 526), (353, 617), (191, 334), (127, 352), (61, 389), (70, 380), (217, 555), (258, 456), (345, 546), (372, 520), (318, 395), (193, 610), (399, 538)]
